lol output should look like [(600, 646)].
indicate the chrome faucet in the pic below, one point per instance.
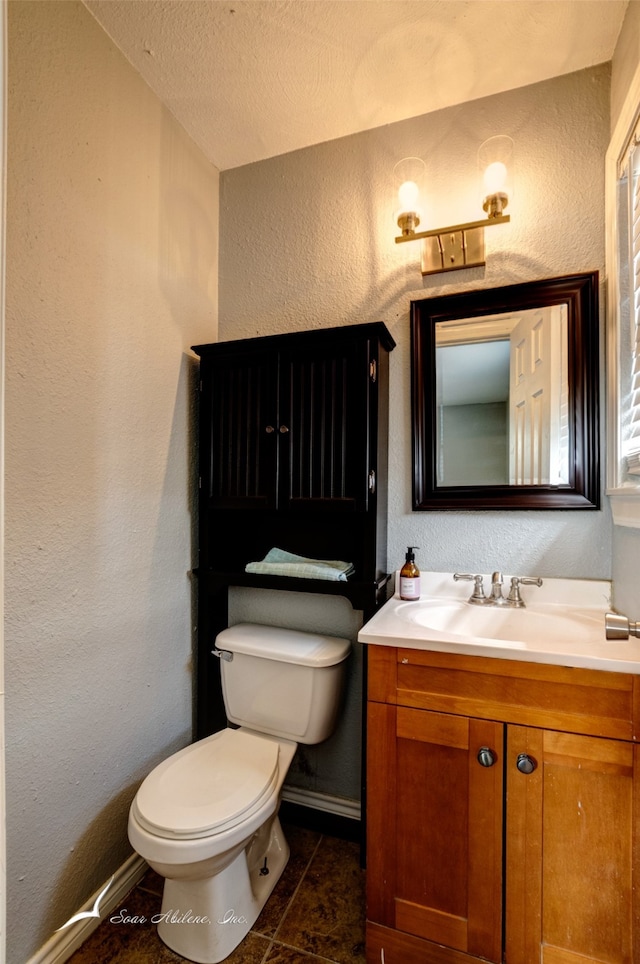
[(514, 600), (496, 597)]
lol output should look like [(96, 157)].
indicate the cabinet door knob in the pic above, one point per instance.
[(269, 429), (525, 763), (284, 429), (486, 757)]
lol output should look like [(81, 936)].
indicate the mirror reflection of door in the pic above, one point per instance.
[(502, 399), (538, 399)]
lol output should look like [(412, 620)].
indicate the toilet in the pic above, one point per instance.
[(206, 819)]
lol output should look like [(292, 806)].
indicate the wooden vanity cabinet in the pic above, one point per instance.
[(502, 812)]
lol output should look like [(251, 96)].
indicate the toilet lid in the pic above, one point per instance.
[(209, 786)]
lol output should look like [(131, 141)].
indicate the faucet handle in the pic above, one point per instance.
[(477, 596), (514, 598)]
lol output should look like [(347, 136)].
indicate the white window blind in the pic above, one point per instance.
[(629, 198), (633, 444), (622, 238)]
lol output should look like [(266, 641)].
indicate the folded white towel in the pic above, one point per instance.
[(279, 562)]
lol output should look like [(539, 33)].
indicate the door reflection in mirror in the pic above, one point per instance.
[(502, 396)]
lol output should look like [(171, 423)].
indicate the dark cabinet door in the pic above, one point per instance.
[(287, 429), (293, 449), (323, 437), (239, 430)]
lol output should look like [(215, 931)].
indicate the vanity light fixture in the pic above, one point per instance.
[(460, 245)]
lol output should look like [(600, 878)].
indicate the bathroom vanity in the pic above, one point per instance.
[(502, 791)]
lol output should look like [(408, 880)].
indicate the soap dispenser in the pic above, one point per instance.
[(410, 577)]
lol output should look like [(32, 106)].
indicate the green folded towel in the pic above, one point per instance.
[(279, 562)]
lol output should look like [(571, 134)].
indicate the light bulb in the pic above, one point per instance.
[(495, 178), (408, 179), (495, 167), (408, 194)]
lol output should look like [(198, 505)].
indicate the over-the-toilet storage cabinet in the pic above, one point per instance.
[(292, 454)]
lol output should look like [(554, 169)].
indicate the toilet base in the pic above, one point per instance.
[(205, 920)]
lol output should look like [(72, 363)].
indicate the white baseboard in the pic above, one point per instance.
[(339, 806), (63, 943)]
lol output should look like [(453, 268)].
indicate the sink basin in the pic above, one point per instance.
[(563, 622), (461, 619)]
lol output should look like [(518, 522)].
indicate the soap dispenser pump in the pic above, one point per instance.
[(410, 577)]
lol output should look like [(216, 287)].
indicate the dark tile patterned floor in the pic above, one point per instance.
[(315, 914)]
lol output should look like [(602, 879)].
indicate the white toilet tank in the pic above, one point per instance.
[(283, 682)]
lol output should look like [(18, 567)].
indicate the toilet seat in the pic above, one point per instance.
[(208, 787)]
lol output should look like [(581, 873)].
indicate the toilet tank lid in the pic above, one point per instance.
[(286, 645)]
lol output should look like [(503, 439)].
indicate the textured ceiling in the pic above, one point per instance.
[(250, 79)]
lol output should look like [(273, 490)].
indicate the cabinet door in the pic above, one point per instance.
[(239, 430), (324, 408), (434, 828), (572, 840)]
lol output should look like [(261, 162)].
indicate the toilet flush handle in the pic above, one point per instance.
[(222, 654)]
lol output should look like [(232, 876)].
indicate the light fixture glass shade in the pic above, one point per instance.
[(408, 187), (495, 163)]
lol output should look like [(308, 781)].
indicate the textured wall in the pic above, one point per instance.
[(306, 241), (626, 59), (111, 275)]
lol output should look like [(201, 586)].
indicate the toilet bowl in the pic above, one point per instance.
[(206, 819)]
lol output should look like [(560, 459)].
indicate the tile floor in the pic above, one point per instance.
[(315, 914)]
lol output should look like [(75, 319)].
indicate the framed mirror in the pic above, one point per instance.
[(505, 397)]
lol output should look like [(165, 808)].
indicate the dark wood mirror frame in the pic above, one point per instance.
[(579, 293)]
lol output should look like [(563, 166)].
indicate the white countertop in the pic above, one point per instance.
[(562, 624)]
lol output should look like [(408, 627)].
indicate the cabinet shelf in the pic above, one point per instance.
[(361, 593)]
